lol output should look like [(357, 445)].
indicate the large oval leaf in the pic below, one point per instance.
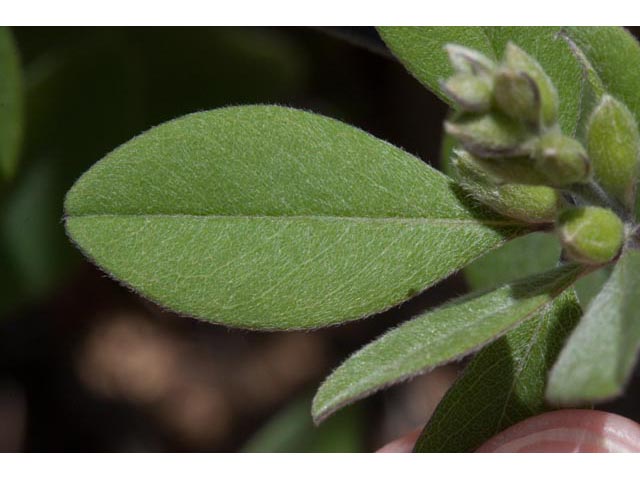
[(421, 50), (268, 217), (437, 337), (10, 104)]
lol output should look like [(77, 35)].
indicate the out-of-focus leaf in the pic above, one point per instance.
[(421, 51), (185, 70), (10, 104), (90, 90), (503, 384), (590, 285), (601, 352), (437, 337), (274, 218), (292, 431)]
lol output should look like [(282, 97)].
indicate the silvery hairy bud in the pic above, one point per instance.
[(590, 235), (613, 143), (531, 204), (524, 91), (471, 87), (488, 135), (561, 159)]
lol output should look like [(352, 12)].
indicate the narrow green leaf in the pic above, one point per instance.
[(268, 217), (10, 104), (524, 256), (615, 55), (503, 384), (600, 354), (421, 51), (437, 337)]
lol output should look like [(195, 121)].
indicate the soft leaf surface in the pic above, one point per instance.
[(421, 51), (503, 384), (524, 256), (268, 217), (10, 104), (437, 337), (600, 354), (615, 55)]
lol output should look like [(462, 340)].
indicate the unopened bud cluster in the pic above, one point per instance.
[(508, 120), (515, 159)]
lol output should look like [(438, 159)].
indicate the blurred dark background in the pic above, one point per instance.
[(86, 365)]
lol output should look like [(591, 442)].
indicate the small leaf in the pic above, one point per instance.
[(613, 143), (600, 354), (421, 50), (588, 287), (10, 104), (269, 217), (524, 256), (503, 384), (437, 337)]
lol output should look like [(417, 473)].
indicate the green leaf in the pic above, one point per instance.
[(268, 217), (503, 384), (600, 354), (10, 104), (438, 337), (421, 51), (524, 256), (292, 431), (615, 55), (589, 286)]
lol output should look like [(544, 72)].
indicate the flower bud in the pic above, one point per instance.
[(465, 60), (517, 96), (561, 159), (613, 143), (518, 60), (488, 135), (471, 92), (530, 204), (590, 235), (512, 170)]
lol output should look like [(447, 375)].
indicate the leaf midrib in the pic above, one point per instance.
[(450, 221)]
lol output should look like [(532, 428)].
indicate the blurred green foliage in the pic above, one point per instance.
[(89, 90)]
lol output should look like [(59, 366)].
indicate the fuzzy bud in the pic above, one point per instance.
[(517, 60), (613, 143), (561, 159), (531, 204), (517, 96), (465, 60), (488, 135), (471, 92), (590, 235)]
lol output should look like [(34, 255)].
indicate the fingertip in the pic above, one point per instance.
[(568, 431), (403, 444)]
